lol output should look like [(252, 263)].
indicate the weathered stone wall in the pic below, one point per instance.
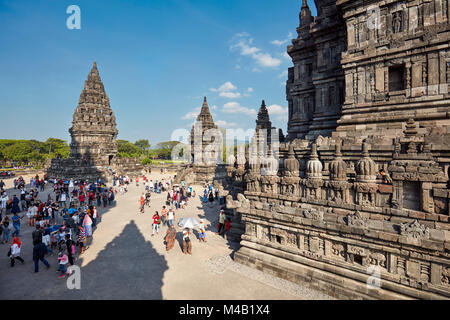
[(326, 217)]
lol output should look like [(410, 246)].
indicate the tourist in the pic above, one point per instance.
[(94, 216), (187, 245), (211, 199), (202, 235), (164, 214), (170, 217), (37, 235), (16, 224), (99, 199), (30, 215), (170, 237), (227, 225), (62, 200), (63, 260), (142, 203), (156, 223), (87, 225), (221, 221), (15, 251), (70, 249), (147, 198), (15, 205), (205, 196), (105, 198), (3, 202), (81, 240), (111, 197), (137, 181), (39, 251), (5, 227), (216, 191)]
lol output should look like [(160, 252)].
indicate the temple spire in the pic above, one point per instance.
[(263, 120), (205, 116), (305, 15)]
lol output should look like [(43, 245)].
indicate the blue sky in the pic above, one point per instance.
[(157, 60)]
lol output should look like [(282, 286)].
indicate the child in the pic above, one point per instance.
[(63, 259), (81, 238), (202, 235)]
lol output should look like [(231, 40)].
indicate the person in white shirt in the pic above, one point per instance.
[(170, 217), (62, 200), (30, 215), (3, 201)]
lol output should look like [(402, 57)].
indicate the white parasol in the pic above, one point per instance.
[(188, 223)]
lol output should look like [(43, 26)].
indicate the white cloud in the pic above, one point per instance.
[(282, 42), (191, 115), (231, 95), (227, 90), (235, 107), (214, 107), (279, 42), (278, 112), (244, 43), (250, 89)]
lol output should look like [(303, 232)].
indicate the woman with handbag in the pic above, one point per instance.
[(156, 222)]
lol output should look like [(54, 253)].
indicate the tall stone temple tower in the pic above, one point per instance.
[(93, 130), (93, 149), (200, 141)]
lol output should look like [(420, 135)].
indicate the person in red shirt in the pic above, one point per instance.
[(142, 202), (227, 225), (156, 221), (81, 198)]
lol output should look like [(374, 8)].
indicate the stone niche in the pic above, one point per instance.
[(411, 195)]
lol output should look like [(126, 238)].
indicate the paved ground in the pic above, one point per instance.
[(125, 262)]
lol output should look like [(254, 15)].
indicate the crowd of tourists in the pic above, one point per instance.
[(63, 223), (177, 198)]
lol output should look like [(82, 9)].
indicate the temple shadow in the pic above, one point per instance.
[(127, 268)]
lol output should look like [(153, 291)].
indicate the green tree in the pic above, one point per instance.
[(146, 161), (23, 152), (57, 148), (143, 144), (127, 149), (164, 149)]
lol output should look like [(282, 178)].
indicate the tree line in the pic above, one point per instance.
[(142, 149), (34, 152)]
